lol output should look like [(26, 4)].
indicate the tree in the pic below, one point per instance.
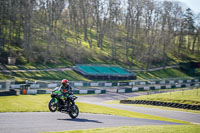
[(132, 30), (196, 32), (189, 25)]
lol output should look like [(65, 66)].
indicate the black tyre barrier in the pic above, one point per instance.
[(8, 93), (158, 103)]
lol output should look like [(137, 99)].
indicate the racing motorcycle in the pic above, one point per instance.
[(64, 104)]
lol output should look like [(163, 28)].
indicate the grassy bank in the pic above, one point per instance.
[(191, 97), (44, 75), (61, 64), (71, 75), (183, 96), (5, 76), (151, 106), (161, 74), (38, 103), (142, 129)]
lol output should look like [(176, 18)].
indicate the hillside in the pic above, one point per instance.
[(20, 77)]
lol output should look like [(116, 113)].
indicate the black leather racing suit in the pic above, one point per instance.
[(68, 89), (67, 93)]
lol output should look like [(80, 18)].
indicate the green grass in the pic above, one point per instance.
[(191, 97), (142, 129), (39, 103), (63, 64), (24, 103), (5, 76), (183, 96), (151, 106), (160, 74), (71, 75), (197, 71), (48, 75)]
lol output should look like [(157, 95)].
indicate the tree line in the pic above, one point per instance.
[(127, 31)]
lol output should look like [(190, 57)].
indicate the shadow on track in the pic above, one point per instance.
[(81, 120)]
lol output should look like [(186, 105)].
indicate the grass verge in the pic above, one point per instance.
[(191, 97), (39, 103), (183, 96), (151, 106), (142, 129)]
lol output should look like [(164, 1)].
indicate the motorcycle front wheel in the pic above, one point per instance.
[(73, 113), (52, 105)]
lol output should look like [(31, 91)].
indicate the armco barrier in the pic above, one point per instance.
[(146, 88), (34, 86), (83, 91), (33, 92), (108, 84), (94, 84), (123, 84), (41, 91), (5, 84), (52, 85), (89, 91), (15, 86)]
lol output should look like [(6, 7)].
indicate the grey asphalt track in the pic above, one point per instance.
[(34, 122)]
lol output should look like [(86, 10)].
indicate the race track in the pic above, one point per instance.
[(34, 122)]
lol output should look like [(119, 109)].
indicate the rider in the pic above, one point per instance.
[(65, 88), (66, 91)]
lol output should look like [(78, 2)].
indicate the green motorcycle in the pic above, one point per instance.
[(64, 104)]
